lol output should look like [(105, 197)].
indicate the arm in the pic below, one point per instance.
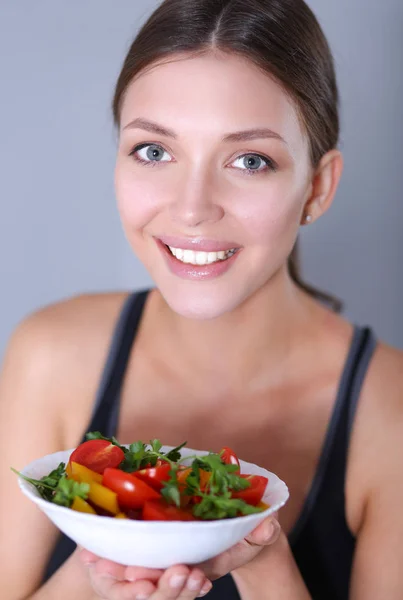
[(70, 581), (378, 565), (30, 427), (272, 575), (377, 453)]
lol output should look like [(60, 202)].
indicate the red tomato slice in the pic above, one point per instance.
[(229, 457), (131, 491), (97, 455), (155, 476), (159, 510), (253, 494)]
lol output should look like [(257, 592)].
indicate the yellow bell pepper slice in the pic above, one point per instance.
[(121, 515), (81, 505), (82, 474), (103, 497)]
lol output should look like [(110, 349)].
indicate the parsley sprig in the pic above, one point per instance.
[(139, 455), (216, 500), (56, 488)]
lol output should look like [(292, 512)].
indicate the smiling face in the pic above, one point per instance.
[(212, 175)]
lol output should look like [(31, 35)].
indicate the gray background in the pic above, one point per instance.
[(60, 231)]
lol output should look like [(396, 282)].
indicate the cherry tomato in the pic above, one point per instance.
[(159, 463), (159, 510), (253, 494), (97, 455), (229, 457), (155, 476), (131, 491)]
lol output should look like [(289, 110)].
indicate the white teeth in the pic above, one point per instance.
[(179, 253), (189, 257), (200, 258)]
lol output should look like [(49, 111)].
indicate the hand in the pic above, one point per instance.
[(117, 582)]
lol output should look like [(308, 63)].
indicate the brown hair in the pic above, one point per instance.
[(282, 37)]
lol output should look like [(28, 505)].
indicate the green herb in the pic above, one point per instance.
[(223, 477), (68, 489), (170, 488), (215, 500), (47, 484), (174, 455), (222, 507), (139, 455), (56, 488)]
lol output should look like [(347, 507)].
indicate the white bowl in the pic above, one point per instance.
[(152, 544)]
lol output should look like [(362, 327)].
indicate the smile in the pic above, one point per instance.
[(193, 257)]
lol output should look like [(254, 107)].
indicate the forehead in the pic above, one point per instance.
[(213, 93)]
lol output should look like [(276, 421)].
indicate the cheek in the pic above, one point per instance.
[(138, 199), (270, 215)]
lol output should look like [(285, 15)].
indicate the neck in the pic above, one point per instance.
[(234, 350)]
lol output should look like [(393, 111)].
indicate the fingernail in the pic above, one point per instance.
[(177, 581), (205, 589), (142, 597), (193, 584), (268, 531)]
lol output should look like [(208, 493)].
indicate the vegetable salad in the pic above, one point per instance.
[(141, 482)]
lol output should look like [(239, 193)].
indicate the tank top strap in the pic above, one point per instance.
[(354, 383), (106, 408), (332, 466)]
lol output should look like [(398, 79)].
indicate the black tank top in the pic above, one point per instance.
[(321, 541)]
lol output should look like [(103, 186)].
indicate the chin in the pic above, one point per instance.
[(201, 301)]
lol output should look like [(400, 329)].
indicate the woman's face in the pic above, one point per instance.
[(212, 159)]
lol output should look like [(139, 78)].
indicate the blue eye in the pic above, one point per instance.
[(150, 153), (253, 163)]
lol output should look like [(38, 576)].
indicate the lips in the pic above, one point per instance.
[(196, 272), (198, 244)]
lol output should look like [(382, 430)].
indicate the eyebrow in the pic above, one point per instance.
[(140, 123), (238, 136)]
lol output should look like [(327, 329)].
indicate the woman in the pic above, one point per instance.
[(228, 130)]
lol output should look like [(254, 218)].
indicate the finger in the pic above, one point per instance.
[(111, 589), (178, 574), (107, 568), (186, 584), (102, 585), (87, 557), (141, 573), (266, 533)]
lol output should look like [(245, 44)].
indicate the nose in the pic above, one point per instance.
[(195, 202)]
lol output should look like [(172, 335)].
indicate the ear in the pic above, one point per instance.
[(323, 187)]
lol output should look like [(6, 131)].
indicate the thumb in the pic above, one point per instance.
[(266, 533)]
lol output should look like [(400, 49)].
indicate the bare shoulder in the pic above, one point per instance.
[(48, 382), (375, 480), (382, 395), (60, 349), (387, 370), (78, 315), (376, 453), (382, 406)]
